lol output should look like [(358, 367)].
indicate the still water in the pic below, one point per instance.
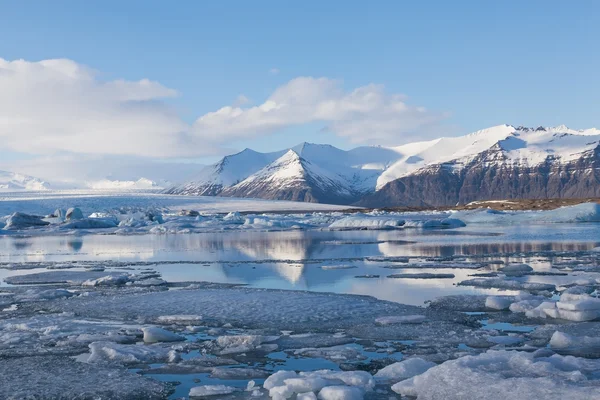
[(355, 262)]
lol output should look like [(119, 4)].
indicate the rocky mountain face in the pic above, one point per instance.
[(501, 162), (492, 175)]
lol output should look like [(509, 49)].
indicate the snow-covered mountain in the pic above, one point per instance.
[(294, 178), (307, 172), (10, 181), (502, 162), (495, 163), (140, 184)]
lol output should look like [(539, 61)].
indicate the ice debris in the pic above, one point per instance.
[(154, 334), (501, 375)]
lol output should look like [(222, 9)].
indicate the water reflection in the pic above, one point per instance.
[(294, 259)]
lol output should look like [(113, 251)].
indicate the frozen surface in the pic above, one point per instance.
[(404, 369), (40, 377), (226, 300), (279, 309), (41, 213), (506, 375), (211, 390)]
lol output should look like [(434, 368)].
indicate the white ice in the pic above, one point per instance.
[(501, 375)]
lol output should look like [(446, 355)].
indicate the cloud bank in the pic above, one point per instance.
[(62, 106)]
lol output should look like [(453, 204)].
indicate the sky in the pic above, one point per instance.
[(103, 89)]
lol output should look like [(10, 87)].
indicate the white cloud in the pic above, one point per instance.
[(364, 115), (59, 105), (274, 71)]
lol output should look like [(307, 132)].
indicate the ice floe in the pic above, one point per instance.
[(500, 375), (153, 334), (329, 384), (130, 354), (211, 390), (404, 369)]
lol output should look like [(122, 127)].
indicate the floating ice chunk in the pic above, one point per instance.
[(446, 223), (498, 302), (589, 303), (234, 217), (73, 214), (516, 269), (500, 283), (585, 212), (306, 396), (58, 213), (278, 379), (525, 305), (576, 293), (540, 311), (500, 375), (404, 369), (577, 316), (154, 334), (307, 384), (505, 340), (108, 280), (72, 277), (336, 353), (284, 384), (400, 319), (341, 393), (89, 223), (130, 354), (244, 343), (582, 346), (211, 390), (48, 294), (179, 319), (21, 221), (360, 221), (238, 373), (150, 282), (360, 379), (328, 267), (423, 275), (577, 307)]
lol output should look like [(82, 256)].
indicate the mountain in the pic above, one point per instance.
[(10, 181), (232, 169), (140, 184), (500, 162), (306, 172), (294, 178)]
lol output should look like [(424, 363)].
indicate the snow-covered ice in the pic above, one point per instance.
[(211, 390), (500, 375), (153, 334), (404, 369)]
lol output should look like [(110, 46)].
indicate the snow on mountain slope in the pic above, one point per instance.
[(232, 169), (140, 184), (527, 146), (291, 177), (358, 168), (10, 181), (420, 154), (364, 170), (525, 163)]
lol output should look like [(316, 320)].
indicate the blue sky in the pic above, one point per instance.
[(472, 64)]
